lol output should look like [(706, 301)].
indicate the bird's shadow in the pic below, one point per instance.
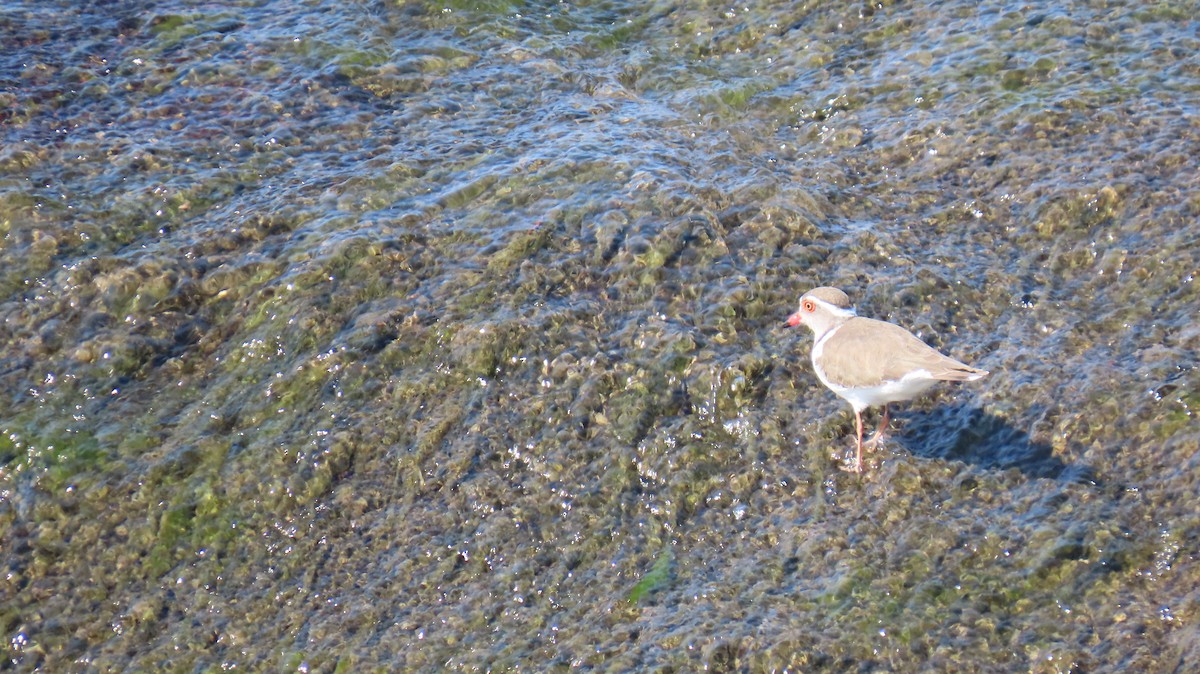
[(969, 434)]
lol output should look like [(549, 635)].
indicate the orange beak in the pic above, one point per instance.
[(794, 320)]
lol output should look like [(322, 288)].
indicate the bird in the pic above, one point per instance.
[(870, 363)]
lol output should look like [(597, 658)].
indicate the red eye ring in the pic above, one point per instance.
[(809, 305)]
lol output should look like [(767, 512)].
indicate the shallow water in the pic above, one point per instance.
[(411, 336)]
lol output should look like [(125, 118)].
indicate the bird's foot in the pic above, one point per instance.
[(852, 463), (876, 439), (851, 466), (881, 433)]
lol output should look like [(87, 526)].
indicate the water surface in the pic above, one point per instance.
[(407, 336)]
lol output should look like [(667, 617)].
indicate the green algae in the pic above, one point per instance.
[(656, 579), (620, 34), (53, 459), (519, 247)]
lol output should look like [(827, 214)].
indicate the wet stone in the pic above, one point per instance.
[(449, 337)]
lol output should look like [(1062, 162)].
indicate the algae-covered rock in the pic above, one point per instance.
[(449, 336)]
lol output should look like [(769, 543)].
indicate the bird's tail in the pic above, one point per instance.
[(960, 372)]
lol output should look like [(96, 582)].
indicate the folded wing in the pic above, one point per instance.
[(868, 352)]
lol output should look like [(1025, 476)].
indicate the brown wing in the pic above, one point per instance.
[(867, 352)]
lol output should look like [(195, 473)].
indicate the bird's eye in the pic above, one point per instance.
[(809, 305)]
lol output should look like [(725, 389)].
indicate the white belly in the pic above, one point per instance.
[(912, 385)]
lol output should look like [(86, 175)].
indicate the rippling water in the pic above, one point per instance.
[(409, 336)]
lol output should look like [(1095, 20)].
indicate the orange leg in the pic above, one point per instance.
[(881, 432), (858, 444)]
